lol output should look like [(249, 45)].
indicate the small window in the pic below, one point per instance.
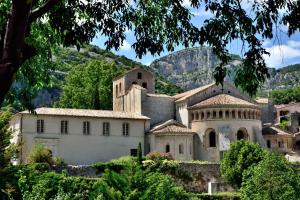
[(280, 144), (220, 114), (144, 85), (212, 139), (268, 143), (64, 127), (181, 149), (86, 128), (40, 126), (139, 75), (126, 129), (233, 114), (117, 91), (133, 152), (106, 128), (167, 148)]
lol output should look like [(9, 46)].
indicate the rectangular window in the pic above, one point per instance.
[(64, 127), (139, 75), (126, 129), (106, 127), (86, 128), (40, 126)]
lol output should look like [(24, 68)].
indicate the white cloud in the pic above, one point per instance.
[(186, 3), (125, 45), (283, 54), (202, 13)]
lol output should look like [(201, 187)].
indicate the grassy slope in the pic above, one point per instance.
[(66, 58)]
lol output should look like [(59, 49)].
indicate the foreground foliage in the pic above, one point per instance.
[(272, 178), (124, 178), (241, 156)]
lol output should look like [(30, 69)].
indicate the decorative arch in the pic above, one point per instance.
[(242, 134), (202, 115), (227, 114), (193, 116), (211, 137), (233, 114), (214, 114), (220, 114)]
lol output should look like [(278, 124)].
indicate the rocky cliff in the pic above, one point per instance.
[(190, 68)]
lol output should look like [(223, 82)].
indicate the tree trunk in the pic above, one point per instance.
[(14, 44), (6, 79)]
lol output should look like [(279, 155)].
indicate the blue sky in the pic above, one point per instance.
[(284, 51)]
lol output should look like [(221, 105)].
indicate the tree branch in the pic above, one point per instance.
[(40, 11)]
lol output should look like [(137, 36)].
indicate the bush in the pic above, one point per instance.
[(58, 161), (240, 157), (40, 154), (273, 178), (159, 156)]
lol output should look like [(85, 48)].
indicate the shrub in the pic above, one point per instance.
[(40, 154), (272, 178), (240, 157), (59, 162), (102, 166), (159, 156)]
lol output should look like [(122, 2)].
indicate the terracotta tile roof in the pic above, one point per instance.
[(272, 130), (287, 105), (171, 127), (159, 95), (223, 99), (262, 100), (185, 95), (87, 113)]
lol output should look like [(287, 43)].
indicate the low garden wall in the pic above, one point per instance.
[(201, 175)]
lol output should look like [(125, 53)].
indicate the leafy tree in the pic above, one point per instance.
[(7, 150), (157, 24), (240, 157), (286, 96), (89, 86), (273, 178)]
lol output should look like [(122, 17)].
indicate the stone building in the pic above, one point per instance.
[(198, 124)]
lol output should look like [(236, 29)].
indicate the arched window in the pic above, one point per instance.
[(202, 115), (242, 134), (245, 114), (220, 114), (226, 114), (167, 148), (193, 116), (181, 151), (117, 91), (212, 139), (233, 114), (207, 114), (239, 114), (214, 114), (197, 116)]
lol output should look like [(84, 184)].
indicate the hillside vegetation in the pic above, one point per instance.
[(65, 59)]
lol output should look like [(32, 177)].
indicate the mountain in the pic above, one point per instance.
[(190, 68), (66, 58), (193, 67)]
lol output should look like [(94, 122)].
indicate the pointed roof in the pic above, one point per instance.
[(171, 127), (187, 94), (223, 99), (131, 70)]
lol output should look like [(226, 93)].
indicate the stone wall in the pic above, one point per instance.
[(203, 174)]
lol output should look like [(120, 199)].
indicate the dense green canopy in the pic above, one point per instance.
[(30, 28)]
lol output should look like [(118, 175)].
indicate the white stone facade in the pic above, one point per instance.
[(197, 124)]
